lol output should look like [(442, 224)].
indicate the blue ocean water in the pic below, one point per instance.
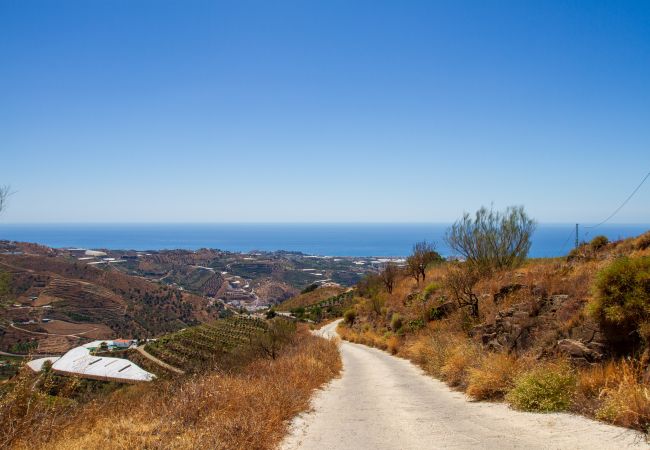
[(316, 239)]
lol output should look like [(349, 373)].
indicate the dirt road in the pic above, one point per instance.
[(384, 402), (162, 364)]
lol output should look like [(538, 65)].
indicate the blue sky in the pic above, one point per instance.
[(341, 111)]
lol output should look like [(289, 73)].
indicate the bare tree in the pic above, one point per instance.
[(461, 280), (424, 253), (5, 191), (389, 275), (492, 239)]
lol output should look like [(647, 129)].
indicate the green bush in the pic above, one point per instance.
[(431, 288), (349, 316), (396, 322), (599, 242), (622, 299), (543, 389)]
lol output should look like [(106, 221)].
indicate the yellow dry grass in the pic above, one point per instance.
[(493, 377)]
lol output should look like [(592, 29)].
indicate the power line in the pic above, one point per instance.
[(567, 241), (622, 204)]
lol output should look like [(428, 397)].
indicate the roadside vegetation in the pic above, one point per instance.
[(559, 334), (242, 398)]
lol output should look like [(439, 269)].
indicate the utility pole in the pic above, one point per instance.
[(577, 241)]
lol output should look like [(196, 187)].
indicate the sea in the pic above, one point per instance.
[(332, 239)]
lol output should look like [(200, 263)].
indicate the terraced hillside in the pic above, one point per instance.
[(202, 346), (310, 298)]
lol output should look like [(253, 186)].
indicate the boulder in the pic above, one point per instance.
[(579, 351)]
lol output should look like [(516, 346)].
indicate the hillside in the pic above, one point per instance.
[(243, 396), (532, 324), (196, 348), (310, 298), (53, 303), (252, 281)]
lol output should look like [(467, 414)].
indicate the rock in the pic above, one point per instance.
[(442, 310), (577, 350), (505, 291)]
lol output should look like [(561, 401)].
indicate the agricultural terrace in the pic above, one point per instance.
[(195, 348)]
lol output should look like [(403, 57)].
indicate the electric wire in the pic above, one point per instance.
[(622, 204)]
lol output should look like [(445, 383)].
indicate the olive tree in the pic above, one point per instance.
[(424, 253), (492, 239)]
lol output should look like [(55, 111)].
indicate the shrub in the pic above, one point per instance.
[(431, 288), (643, 241), (599, 242), (349, 316), (622, 299), (493, 378), (396, 322), (492, 239), (545, 388)]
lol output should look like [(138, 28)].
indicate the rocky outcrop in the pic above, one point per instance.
[(510, 331), (543, 323)]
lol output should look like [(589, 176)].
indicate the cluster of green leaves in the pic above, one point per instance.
[(24, 347), (492, 239)]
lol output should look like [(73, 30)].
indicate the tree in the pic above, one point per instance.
[(349, 316), (370, 285), (279, 332), (389, 275), (423, 254), (461, 280), (4, 195), (492, 239)]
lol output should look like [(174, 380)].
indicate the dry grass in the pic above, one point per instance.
[(393, 344), (459, 360), (249, 408), (615, 392), (493, 377)]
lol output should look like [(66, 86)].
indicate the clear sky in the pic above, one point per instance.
[(317, 111)]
